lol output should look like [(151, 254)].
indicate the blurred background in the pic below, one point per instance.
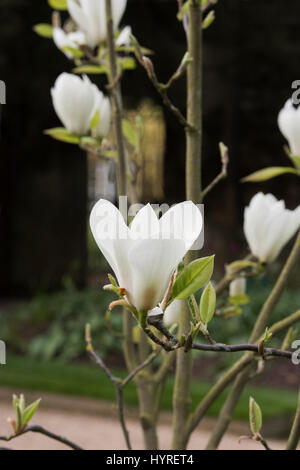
[(51, 272)]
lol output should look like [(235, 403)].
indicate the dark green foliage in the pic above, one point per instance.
[(52, 325)]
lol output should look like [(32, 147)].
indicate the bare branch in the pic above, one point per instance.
[(223, 172), (45, 432)]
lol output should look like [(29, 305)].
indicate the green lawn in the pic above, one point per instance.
[(89, 381)]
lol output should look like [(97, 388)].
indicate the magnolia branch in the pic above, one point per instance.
[(223, 172), (162, 88), (41, 430), (258, 438), (119, 383), (267, 352), (115, 380), (173, 343)]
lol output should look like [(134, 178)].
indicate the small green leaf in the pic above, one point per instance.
[(136, 334), (209, 19), (92, 69), (43, 29), (19, 423), (267, 336), (22, 402), (193, 308), (127, 63), (129, 132), (130, 49), (184, 10), (113, 280), (208, 303), (58, 4), (29, 411), (241, 299), (89, 141), (296, 161), (255, 416), (60, 133), (95, 120), (193, 277), (268, 173), (76, 53)]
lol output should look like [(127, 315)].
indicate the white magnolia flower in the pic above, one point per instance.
[(75, 100), (145, 255), (172, 313), (90, 17), (237, 287), (289, 125), (104, 114), (124, 37), (73, 40), (268, 226)]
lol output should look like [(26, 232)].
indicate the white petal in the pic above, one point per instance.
[(95, 13), (268, 226), (74, 100), (118, 8), (111, 235), (124, 37), (145, 224), (289, 125), (182, 222), (104, 109), (152, 264), (77, 14)]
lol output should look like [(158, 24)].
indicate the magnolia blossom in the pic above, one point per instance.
[(144, 256), (289, 125), (90, 16), (76, 100), (268, 226), (237, 287), (64, 40)]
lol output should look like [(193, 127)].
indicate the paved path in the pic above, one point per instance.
[(93, 425)]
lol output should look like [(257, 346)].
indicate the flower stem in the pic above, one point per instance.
[(181, 395)]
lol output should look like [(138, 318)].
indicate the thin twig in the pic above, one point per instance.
[(241, 347), (161, 88), (45, 432), (222, 174), (118, 382), (115, 380), (144, 364)]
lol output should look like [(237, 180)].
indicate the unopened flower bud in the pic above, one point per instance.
[(238, 287)]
